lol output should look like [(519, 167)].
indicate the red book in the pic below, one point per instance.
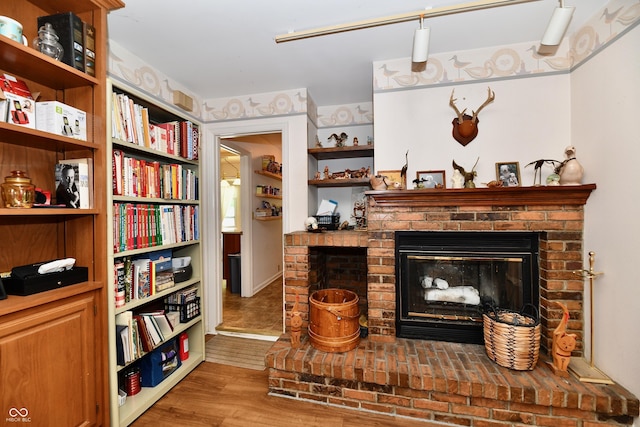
[(184, 138), (116, 171)]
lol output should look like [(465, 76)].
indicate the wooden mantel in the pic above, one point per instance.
[(503, 196)]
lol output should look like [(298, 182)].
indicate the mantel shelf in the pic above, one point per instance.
[(507, 196)]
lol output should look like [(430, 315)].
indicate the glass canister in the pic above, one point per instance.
[(18, 191), (47, 42)]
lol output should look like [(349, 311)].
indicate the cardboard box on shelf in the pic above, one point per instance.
[(61, 119), (20, 104)]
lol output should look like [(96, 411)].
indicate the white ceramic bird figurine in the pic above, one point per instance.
[(571, 171)]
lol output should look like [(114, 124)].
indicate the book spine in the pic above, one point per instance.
[(89, 33)]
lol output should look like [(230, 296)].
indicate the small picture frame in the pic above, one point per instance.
[(393, 177), (508, 173), (431, 179)]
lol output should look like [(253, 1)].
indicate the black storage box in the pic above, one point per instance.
[(328, 222), (28, 284), (182, 274)]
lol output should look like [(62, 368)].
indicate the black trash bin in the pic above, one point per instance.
[(234, 273)]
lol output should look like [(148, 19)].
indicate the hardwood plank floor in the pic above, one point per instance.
[(221, 395), (261, 314)]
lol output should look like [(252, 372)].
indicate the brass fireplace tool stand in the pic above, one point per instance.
[(579, 367)]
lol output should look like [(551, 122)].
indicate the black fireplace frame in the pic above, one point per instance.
[(460, 243)]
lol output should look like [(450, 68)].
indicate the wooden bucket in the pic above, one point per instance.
[(333, 320)]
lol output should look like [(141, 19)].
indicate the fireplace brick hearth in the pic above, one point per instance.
[(438, 381)]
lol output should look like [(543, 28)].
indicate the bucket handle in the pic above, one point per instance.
[(340, 316)]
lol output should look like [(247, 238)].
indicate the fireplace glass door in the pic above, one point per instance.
[(446, 285)]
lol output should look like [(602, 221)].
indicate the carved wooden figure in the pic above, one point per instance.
[(296, 325), (563, 344)]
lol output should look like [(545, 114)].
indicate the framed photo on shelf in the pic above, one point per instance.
[(394, 176), (508, 173), (431, 179)]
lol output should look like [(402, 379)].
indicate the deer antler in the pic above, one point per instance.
[(452, 103), (490, 97)]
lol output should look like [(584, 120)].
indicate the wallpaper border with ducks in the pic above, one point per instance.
[(513, 61)]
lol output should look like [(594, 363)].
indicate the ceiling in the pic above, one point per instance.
[(226, 48)]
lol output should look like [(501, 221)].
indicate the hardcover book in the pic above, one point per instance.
[(70, 33), (89, 32)]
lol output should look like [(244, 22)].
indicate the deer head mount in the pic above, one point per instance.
[(465, 127)]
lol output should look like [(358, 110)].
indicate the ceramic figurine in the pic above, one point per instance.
[(468, 176), (318, 143), (339, 139), (563, 344), (378, 182), (355, 141), (571, 170), (457, 180)]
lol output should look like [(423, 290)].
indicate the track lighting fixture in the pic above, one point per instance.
[(395, 19), (421, 43), (557, 25)]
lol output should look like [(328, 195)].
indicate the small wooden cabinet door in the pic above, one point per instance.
[(47, 364)]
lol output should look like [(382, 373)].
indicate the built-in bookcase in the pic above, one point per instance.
[(154, 206), (53, 343)]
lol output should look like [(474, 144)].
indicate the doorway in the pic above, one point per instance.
[(251, 297)]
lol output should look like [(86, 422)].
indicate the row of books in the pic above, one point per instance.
[(139, 225), (78, 40), (139, 333), (131, 122), (142, 178), (143, 277)]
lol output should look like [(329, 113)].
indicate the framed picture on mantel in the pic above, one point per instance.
[(394, 180), (431, 179), (508, 173)]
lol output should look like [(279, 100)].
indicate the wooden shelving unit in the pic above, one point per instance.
[(347, 152), (268, 196), (55, 341), (269, 174), (135, 405)]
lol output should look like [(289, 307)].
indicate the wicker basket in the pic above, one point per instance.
[(512, 339)]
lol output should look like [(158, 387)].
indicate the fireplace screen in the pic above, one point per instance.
[(447, 279)]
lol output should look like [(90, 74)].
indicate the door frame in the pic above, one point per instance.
[(211, 221)]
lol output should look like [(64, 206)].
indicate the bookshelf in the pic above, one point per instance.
[(163, 181), (35, 339)]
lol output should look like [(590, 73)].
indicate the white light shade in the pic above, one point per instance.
[(421, 45), (557, 26)]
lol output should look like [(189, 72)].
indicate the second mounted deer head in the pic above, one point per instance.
[(465, 127)]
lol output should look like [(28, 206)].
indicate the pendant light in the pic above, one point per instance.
[(557, 25), (421, 43)]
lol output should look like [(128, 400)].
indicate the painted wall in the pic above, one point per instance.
[(529, 120), (604, 105)]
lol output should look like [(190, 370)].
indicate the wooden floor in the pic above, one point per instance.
[(221, 395), (261, 314)]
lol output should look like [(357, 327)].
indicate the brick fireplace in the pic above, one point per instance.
[(438, 381)]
